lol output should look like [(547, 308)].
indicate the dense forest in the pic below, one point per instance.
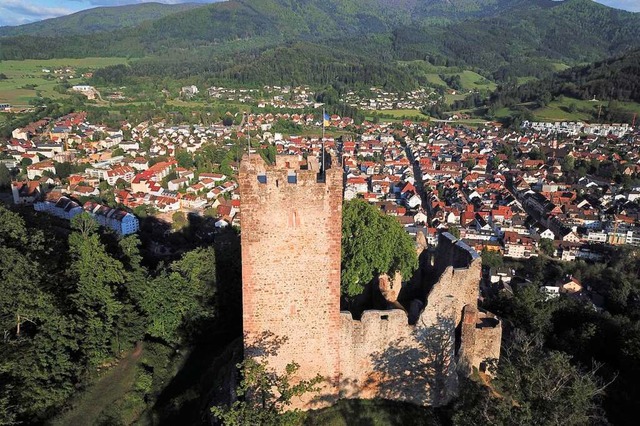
[(242, 40), (73, 302), (601, 343)]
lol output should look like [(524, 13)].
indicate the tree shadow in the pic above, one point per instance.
[(420, 369), (265, 345)]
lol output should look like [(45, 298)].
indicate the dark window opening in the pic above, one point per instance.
[(384, 317), (262, 178)]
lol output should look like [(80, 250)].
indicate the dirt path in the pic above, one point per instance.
[(88, 405)]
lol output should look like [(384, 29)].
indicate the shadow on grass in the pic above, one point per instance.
[(106, 391), (359, 412)]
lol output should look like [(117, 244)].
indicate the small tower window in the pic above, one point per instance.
[(262, 178)]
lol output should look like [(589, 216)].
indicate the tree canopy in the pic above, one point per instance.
[(372, 244), (70, 305)]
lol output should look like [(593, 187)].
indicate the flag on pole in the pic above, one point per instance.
[(325, 119)]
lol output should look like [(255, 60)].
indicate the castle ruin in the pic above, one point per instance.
[(291, 251)]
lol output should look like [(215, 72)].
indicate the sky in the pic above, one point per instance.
[(17, 12)]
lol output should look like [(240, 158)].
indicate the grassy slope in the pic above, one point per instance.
[(29, 72), (88, 406), (373, 413), (470, 80)]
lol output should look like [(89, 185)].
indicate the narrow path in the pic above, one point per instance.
[(90, 403)]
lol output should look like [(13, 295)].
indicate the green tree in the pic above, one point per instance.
[(372, 244), (532, 386), (546, 245), (454, 230), (470, 163), (568, 163), (184, 159), (5, 177), (265, 397), (180, 301), (97, 277), (491, 259), (179, 220)]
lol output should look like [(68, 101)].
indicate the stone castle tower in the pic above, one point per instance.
[(291, 231), (291, 251)]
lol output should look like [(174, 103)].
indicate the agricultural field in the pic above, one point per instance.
[(27, 79)]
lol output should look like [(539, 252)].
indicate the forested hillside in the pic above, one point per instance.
[(617, 78), (498, 38), (98, 19), (73, 302)]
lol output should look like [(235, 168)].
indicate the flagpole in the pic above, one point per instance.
[(323, 119)]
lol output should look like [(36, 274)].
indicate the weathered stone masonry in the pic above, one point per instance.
[(291, 231)]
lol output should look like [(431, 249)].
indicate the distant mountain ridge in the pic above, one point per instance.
[(98, 19), (237, 38)]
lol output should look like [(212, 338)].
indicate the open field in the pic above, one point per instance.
[(25, 79), (449, 99), (468, 79), (399, 113), (473, 81)]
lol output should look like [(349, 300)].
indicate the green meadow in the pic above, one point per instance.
[(26, 79)]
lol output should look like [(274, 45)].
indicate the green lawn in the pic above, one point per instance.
[(449, 99), (29, 72), (435, 80)]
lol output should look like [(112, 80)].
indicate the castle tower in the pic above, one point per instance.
[(291, 235)]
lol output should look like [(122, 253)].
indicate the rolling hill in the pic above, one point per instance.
[(98, 19), (617, 78), (236, 39)]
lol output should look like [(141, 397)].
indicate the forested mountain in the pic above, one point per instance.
[(239, 39), (617, 78), (98, 19)]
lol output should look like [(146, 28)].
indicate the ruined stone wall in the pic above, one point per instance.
[(383, 356), (481, 334), (291, 232)]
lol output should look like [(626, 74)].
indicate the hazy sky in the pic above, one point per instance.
[(16, 12)]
